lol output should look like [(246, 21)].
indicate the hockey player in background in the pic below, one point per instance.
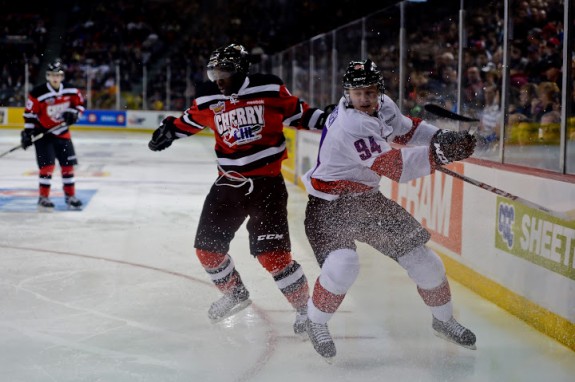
[(345, 203), (50, 105), (247, 114)]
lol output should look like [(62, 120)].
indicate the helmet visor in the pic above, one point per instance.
[(215, 74)]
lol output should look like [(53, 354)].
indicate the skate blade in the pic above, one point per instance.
[(443, 336), (70, 208), (236, 309), (45, 209)]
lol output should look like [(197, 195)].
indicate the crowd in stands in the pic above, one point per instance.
[(166, 37), (174, 38), (23, 38)]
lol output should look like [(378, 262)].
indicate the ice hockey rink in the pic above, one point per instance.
[(115, 293)]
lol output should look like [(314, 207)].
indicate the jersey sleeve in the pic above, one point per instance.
[(31, 111), (78, 102), (191, 122)]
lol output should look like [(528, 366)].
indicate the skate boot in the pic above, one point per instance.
[(229, 304), (45, 204), (299, 326), (453, 331), (320, 339), (73, 203)]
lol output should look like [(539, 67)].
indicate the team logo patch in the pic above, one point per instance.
[(241, 125), (271, 236), (218, 108), (242, 135)]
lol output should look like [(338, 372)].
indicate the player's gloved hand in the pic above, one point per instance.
[(450, 146), (323, 118), (70, 116), (164, 135), (26, 138)]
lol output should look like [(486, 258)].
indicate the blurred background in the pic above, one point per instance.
[(508, 63)]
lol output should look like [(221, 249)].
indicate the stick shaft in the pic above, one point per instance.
[(442, 112), (34, 139), (505, 194)]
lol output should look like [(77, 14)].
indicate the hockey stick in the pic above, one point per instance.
[(569, 215), (444, 113), (34, 139)]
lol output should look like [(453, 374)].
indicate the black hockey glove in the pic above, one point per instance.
[(70, 116), (164, 135), (450, 146), (26, 138), (323, 118)]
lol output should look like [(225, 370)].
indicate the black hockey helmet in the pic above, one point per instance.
[(55, 66), (361, 74), (232, 58)]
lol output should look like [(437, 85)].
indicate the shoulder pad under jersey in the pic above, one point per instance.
[(258, 79), (39, 90)]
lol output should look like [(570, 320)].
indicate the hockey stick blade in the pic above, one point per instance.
[(444, 113), (568, 216)]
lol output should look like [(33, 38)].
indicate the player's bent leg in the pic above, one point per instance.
[(426, 269), (221, 270), (338, 273), (291, 281)]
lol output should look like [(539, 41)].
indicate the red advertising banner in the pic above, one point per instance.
[(437, 202)]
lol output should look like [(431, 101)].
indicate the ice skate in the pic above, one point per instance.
[(454, 332), (299, 325), (73, 203), (321, 339), (45, 204), (229, 304)]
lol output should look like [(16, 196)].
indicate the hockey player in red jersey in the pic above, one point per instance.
[(50, 105), (247, 114), (345, 203)]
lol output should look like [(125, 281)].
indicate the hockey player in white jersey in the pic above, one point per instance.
[(345, 203)]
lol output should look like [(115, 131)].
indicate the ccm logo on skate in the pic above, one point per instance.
[(270, 236)]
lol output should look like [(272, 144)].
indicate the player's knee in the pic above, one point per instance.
[(210, 260), (340, 270), (275, 261), (424, 267), (47, 170), (67, 170)]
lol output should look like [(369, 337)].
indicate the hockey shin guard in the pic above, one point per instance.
[(288, 276), (221, 269), (338, 273), (45, 179)]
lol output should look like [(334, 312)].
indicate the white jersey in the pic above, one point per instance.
[(355, 150)]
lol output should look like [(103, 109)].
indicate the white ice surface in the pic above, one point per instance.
[(115, 293)]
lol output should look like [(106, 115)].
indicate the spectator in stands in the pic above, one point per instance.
[(473, 88), (549, 128), (548, 94), (526, 102), (490, 121), (550, 69)]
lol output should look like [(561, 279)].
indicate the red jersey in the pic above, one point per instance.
[(45, 106), (248, 126)]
